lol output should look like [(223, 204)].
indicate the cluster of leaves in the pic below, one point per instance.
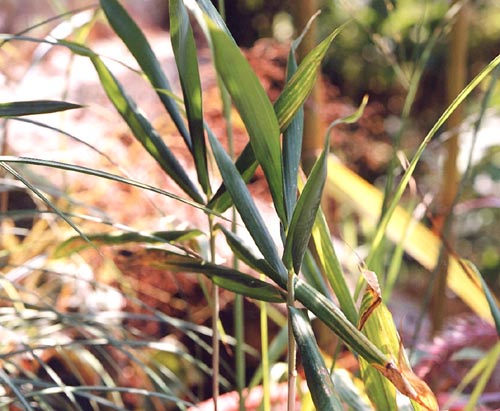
[(275, 137)]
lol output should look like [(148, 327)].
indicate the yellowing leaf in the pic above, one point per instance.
[(419, 242)]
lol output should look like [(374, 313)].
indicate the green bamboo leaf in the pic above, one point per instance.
[(300, 85), (246, 164), (75, 244), (243, 253), (255, 110), (184, 49), (138, 45), (106, 175), (26, 108), (143, 130), (330, 266), (230, 279), (304, 215), (292, 147), (318, 377), (249, 213), (335, 319)]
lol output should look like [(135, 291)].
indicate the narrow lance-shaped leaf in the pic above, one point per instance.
[(107, 176), (248, 211), (288, 104), (305, 212), (144, 131), (187, 66), (300, 85), (227, 278), (255, 110), (76, 244), (136, 42), (26, 108), (318, 377), (244, 253), (292, 147)]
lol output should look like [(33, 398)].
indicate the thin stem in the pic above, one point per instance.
[(292, 350), (215, 321), (264, 339)]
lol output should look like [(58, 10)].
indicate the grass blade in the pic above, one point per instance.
[(26, 108), (299, 233), (144, 131), (75, 244), (103, 174), (135, 41), (255, 110), (187, 66), (319, 381), (228, 278)]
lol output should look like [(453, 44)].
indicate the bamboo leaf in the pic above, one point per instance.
[(255, 110), (318, 377), (26, 108), (106, 175), (377, 323), (246, 166), (230, 279), (248, 211), (301, 224), (244, 253), (187, 66), (292, 147), (300, 85), (144, 131), (75, 244), (136, 42)]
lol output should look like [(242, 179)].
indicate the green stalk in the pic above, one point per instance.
[(215, 321), (292, 349), (264, 339)]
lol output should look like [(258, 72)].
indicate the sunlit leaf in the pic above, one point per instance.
[(300, 85), (255, 110), (419, 242)]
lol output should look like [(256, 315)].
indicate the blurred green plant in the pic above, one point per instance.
[(91, 349)]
